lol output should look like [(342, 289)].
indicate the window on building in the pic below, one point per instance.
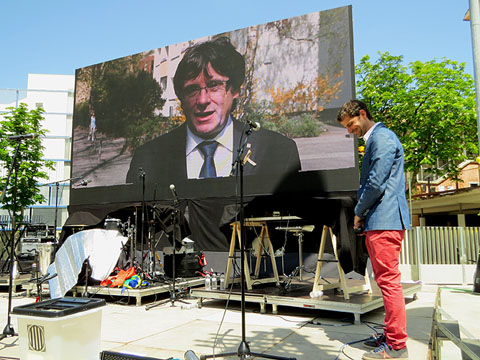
[(163, 83)]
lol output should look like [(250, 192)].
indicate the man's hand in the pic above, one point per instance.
[(358, 224)]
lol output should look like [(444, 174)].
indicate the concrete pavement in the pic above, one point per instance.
[(168, 332)]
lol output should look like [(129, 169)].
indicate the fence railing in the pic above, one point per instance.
[(440, 254), (437, 245)]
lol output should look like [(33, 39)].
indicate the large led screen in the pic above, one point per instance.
[(189, 114)]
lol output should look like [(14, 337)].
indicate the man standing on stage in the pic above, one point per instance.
[(382, 213)]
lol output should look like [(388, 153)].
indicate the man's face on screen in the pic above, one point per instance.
[(207, 103)]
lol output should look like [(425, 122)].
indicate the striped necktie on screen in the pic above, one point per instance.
[(208, 149)]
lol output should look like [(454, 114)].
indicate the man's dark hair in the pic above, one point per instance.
[(352, 108), (223, 57)]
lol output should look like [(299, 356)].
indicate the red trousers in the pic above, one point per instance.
[(384, 250)]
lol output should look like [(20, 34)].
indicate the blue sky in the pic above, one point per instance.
[(59, 36)]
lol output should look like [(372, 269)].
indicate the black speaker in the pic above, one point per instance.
[(110, 355)]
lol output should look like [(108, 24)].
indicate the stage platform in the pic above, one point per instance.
[(138, 294), (298, 295), (19, 281)]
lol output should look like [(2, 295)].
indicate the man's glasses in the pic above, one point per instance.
[(213, 88)]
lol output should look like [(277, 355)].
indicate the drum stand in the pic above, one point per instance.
[(298, 232)]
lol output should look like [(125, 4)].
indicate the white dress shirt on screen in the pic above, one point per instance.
[(223, 157)]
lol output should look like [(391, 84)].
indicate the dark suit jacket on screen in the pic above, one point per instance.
[(163, 159)]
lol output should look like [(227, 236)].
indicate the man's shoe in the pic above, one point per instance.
[(375, 341), (385, 351)]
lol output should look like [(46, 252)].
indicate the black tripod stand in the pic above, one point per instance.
[(8, 330), (243, 351), (173, 291)]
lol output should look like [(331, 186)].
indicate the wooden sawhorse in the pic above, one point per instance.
[(264, 240), (342, 282)]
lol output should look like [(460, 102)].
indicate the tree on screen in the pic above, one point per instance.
[(125, 98), (429, 105)]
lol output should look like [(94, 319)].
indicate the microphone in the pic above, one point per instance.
[(255, 126), (141, 173), (22, 136), (174, 193)]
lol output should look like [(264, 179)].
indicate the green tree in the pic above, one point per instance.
[(429, 105), (30, 165)]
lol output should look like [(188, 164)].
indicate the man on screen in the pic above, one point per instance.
[(207, 82)]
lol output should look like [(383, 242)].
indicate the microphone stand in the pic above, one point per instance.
[(243, 351), (174, 238), (57, 184), (9, 330), (55, 222)]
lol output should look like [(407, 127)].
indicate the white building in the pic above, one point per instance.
[(54, 93)]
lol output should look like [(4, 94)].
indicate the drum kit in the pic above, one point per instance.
[(140, 251), (158, 232)]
